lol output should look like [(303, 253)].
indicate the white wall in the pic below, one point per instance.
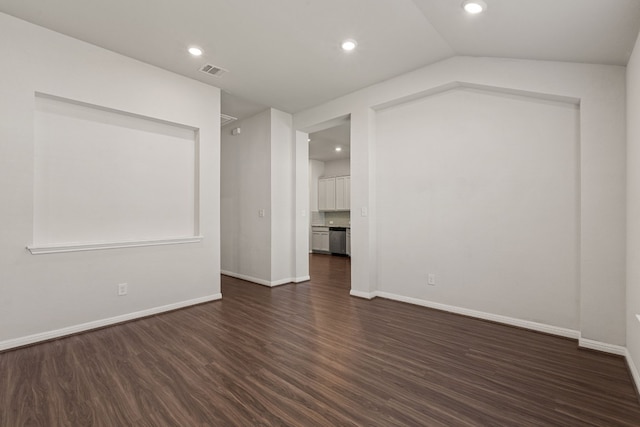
[(47, 295), (257, 173), (340, 167), (76, 145), (245, 190), (282, 197), (633, 210), (599, 89), (316, 170), (481, 189), (302, 213)]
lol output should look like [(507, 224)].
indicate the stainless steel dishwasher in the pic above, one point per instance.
[(338, 240)]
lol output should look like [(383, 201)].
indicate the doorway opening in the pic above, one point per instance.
[(330, 195)]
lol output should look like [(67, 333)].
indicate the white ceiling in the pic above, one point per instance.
[(285, 53), (322, 144), (592, 31)]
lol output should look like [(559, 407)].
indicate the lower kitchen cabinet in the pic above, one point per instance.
[(320, 239)]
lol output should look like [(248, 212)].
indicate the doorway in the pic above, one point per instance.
[(330, 194)]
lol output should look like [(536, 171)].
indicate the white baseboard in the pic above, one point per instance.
[(45, 336), (256, 280), (360, 294), (282, 282), (247, 278), (633, 368), (540, 327), (301, 279), (601, 346)]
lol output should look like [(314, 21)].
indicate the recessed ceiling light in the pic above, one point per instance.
[(474, 6), (349, 45), (195, 51), (338, 149)]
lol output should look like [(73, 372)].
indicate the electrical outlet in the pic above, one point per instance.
[(122, 289), (431, 279)]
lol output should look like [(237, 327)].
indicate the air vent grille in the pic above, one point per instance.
[(213, 70), (224, 119)]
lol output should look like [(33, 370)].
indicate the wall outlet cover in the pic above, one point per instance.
[(122, 289)]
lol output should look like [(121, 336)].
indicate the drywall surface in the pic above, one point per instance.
[(340, 167), (245, 193), (45, 293), (302, 212), (76, 145), (282, 197), (633, 208), (316, 170), (258, 199), (600, 92), (482, 191)]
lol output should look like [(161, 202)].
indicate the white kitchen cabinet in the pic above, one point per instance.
[(334, 194), (343, 193), (327, 194), (320, 239)]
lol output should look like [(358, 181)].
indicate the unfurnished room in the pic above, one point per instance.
[(320, 213)]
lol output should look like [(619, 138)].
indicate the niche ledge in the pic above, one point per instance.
[(79, 247)]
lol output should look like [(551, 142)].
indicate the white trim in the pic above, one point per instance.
[(535, 326), (247, 278), (77, 247), (301, 279), (281, 282), (45, 336), (256, 280), (360, 294), (632, 367), (601, 346), (638, 317), (483, 87)]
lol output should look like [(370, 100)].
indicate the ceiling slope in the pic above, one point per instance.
[(589, 31)]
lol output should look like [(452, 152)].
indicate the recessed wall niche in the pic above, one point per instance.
[(108, 176)]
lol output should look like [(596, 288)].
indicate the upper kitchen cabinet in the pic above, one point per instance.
[(334, 194), (327, 194), (343, 193)]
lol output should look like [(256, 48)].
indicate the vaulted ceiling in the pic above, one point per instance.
[(286, 53)]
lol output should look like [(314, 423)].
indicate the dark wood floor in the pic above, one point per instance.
[(310, 355)]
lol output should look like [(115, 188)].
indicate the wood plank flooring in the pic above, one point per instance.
[(310, 355)]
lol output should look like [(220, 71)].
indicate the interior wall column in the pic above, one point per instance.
[(602, 218), (301, 214), (364, 274)]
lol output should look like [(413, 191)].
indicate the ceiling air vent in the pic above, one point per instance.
[(224, 119), (213, 70)]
